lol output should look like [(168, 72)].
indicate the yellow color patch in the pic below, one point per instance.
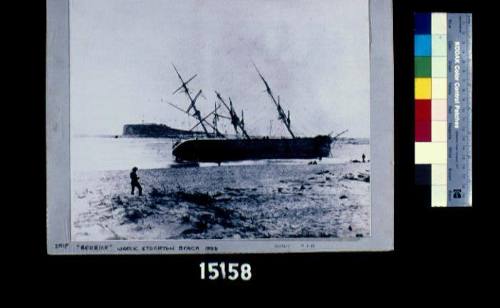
[(430, 153), (438, 131), (423, 88)]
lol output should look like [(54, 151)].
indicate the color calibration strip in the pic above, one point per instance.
[(443, 107)]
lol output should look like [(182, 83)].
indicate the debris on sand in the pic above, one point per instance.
[(349, 176), (155, 193), (132, 215), (312, 162), (232, 189), (343, 197), (363, 177), (117, 200), (198, 227), (194, 197), (185, 219), (322, 172)]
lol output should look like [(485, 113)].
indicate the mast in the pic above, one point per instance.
[(281, 113), (196, 113), (215, 119), (204, 120), (235, 120)]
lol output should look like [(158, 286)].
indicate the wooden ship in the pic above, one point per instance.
[(218, 148)]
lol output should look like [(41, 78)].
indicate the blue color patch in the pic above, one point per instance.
[(423, 45), (422, 23)]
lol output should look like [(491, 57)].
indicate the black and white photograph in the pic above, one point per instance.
[(220, 120)]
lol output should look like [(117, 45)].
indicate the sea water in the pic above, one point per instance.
[(110, 153)]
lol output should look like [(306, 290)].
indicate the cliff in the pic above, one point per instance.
[(157, 131)]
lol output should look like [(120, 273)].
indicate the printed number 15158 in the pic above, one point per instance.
[(231, 271)]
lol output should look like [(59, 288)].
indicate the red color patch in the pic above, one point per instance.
[(423, 131), (423, 110)]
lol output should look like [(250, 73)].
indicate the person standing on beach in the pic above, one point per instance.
[(363, 157), (135, 181)]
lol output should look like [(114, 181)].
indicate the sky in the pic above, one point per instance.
[(314, 55)]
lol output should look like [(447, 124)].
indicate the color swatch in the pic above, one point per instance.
[(443, 147)]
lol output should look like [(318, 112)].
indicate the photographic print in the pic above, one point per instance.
[(219, 120)]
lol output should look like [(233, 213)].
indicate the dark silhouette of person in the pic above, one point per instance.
[(134, 181), (363, 157)]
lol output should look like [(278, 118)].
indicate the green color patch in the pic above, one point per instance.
[(423, 67)]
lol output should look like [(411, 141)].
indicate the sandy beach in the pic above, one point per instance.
[(272, 200)]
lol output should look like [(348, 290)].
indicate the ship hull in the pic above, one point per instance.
[(222, 150)]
